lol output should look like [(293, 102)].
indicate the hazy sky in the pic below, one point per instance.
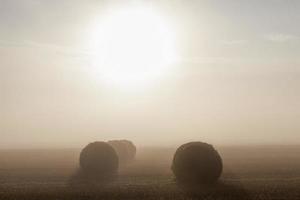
[(237, 79)]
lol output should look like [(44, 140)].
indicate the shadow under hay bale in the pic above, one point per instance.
[(82, 179), (219, 190), (125, 150), (197, 163), (98, 160)]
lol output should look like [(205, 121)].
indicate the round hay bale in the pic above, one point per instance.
[(197, 163), (99, 158), (131, 149), (125, 149), (120, 149)]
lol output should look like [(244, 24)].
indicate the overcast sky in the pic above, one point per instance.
[(237, 80)]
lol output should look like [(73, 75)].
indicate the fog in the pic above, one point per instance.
[(236, 79)]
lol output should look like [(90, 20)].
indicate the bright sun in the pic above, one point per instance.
[(132, 47)]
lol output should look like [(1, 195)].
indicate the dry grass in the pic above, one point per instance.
[(271, 172)]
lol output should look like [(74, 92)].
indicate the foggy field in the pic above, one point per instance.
[(156, 100), (271, 172)]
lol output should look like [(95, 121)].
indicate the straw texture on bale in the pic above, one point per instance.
[(197, 163), (99, 158)]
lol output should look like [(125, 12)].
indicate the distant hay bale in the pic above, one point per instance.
[(131, 149), (99, 158), (197, 163), (125, 149), (120, 149)]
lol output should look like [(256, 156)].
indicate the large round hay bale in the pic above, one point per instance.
[(99, 158), (125, 149), (197, 163)]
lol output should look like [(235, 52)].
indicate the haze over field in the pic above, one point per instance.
[(225, 75)]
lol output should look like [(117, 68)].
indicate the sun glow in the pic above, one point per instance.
[(132, 48)]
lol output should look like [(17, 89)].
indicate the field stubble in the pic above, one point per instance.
[(261, 172)]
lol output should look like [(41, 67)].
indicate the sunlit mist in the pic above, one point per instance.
[(154, 72), (132, 47)]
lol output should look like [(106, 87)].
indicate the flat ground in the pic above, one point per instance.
[(252, 172)]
